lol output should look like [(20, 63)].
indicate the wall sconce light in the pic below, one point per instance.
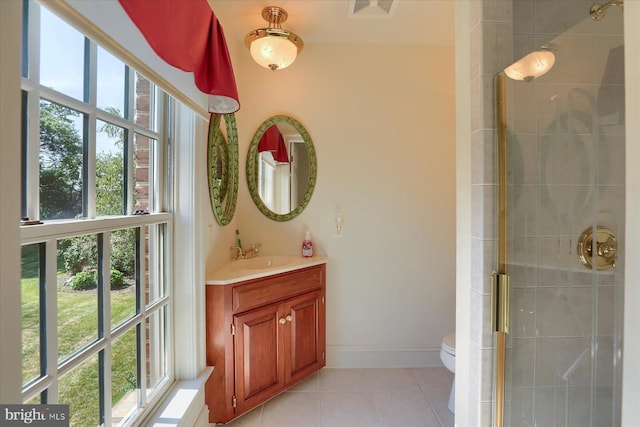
[(273, 47), (533, 65)]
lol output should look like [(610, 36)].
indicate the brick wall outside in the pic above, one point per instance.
[(143, 172)]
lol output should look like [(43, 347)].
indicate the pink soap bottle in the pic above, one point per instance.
[(307, 245)]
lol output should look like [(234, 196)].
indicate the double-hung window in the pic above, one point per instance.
[(95, 235)]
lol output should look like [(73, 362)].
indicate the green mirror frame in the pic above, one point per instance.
[(252, 168), (222, 167)]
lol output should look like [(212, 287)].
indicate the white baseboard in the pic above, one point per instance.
[(383, 357), (203, 418)]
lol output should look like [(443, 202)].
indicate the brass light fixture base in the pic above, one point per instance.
[(274, 14)]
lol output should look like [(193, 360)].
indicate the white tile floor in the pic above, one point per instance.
[(359, 397)]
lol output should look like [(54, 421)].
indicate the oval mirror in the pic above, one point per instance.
[(281, 168), (222, 167)]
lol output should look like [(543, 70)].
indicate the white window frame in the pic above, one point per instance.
[(51, 231)]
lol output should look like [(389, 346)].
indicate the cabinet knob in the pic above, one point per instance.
[(282, 320), (289, 318)]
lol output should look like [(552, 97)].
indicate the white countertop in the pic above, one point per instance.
[(261, 266)]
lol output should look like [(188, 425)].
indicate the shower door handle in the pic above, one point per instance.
[(500, 303)]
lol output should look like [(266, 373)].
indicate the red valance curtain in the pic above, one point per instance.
[(273, 141), (187, 35)]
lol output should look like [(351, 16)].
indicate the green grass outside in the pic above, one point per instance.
[(77, 326)]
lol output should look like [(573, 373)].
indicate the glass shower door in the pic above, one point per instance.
[(565, 220)]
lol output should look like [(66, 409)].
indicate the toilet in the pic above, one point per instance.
[(448, 357)]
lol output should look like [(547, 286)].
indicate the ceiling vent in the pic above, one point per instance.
[(372, 8)]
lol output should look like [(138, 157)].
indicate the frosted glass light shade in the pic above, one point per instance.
[(274, 53), (532, 65), (273, 47)]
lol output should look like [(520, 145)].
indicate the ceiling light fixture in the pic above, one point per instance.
[(273, 47), (533, 65)]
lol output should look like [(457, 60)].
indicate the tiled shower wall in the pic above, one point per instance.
[(554, 176), (491, 35)]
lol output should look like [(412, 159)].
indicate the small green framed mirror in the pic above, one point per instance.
[(281, 168), (222, 167)]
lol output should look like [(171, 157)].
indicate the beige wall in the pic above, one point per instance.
[(382, 122), (11, 338)]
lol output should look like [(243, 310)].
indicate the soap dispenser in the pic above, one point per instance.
[(307, 245)]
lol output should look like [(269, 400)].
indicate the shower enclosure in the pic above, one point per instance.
[(562, 220)]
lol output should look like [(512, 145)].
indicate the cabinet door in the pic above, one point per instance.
[(304, 339), (259, 361)]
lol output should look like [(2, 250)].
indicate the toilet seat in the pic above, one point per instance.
[(449, 343)]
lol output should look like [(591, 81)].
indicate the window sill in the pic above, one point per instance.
[(184, 404)]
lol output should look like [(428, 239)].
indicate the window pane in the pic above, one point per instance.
[(144, 171), (154, 262), (124, 376), (80, 390), (77, 294), (32, 357), (146, 106), (110, 172), (61, 56), (61, 151), (156, 366), (111, 83), (123, 275)]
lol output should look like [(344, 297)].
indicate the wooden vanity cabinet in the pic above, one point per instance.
[(263, 336)]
